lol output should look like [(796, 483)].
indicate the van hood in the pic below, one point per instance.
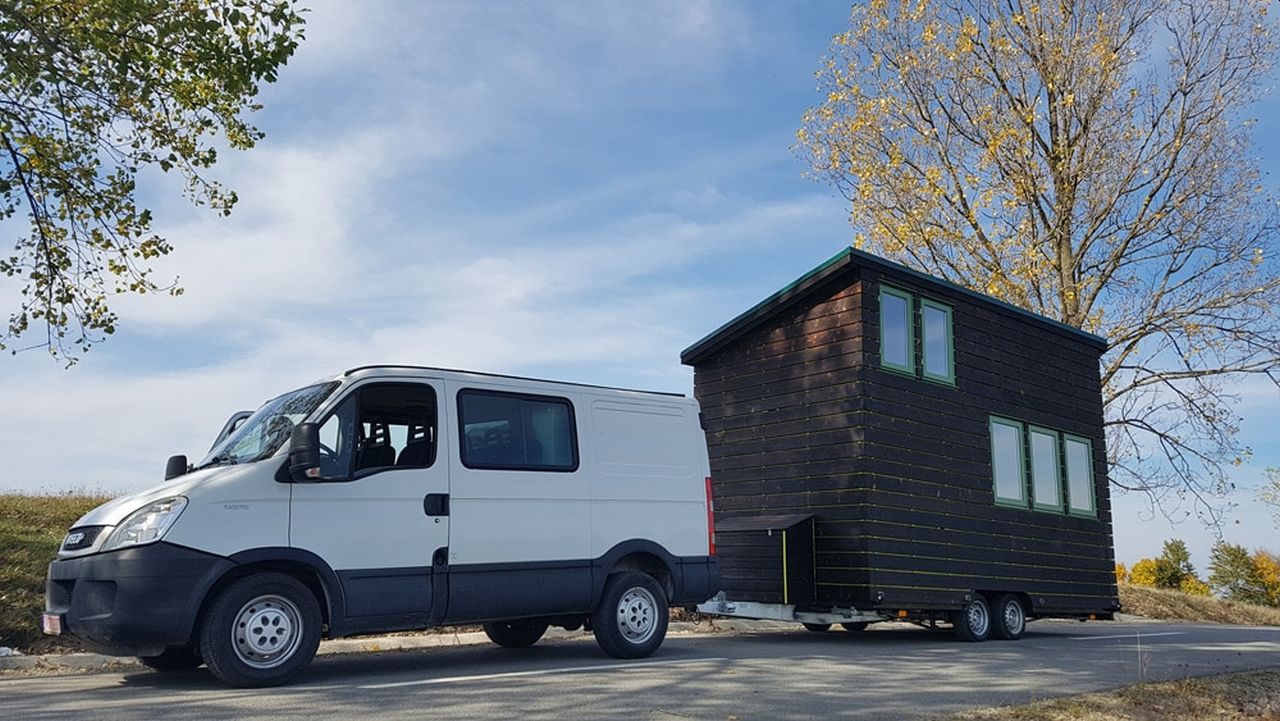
[(116, 510)]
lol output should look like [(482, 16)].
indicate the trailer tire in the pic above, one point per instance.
[(261, 630), (1010, 618), (181, 658), (520, 633), (817, 627), (631, 619), (855, 626), (973, 622)]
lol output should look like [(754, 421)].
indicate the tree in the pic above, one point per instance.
[(1268, 568), (1270, 493), (1247, 577), (92, 92), (1087, 161), (1143, 573), (1173, 566), (1233, 574)]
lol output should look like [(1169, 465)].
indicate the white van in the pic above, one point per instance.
[(393, 498)]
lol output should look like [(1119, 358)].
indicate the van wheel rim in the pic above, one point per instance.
[(266, 632), (976, 614), (1013, 617), (637, 615)]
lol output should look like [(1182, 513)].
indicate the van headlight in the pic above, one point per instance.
[(147, 524)]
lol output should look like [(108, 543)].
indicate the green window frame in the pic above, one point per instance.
[(1008, 474), (1079, 476), (1045, 466), (908, 321), (929, 365)]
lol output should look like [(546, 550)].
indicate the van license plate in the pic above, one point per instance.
[(52, 623)]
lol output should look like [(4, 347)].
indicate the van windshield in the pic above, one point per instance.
[(262, 434)]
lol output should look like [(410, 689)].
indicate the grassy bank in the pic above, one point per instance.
[(1254, 695), (31, 527), (1178, 606)]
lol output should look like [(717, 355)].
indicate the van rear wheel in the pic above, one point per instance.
[(261, 630), (631, 618), (817, 627), (520, 633)]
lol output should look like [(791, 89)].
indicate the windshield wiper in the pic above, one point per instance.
[(222, 459)]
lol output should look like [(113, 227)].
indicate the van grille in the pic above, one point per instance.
[(81, 538)]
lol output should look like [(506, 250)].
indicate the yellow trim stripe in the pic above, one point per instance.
[(785, 598)]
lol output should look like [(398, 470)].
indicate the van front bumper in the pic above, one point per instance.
[(132, 602)]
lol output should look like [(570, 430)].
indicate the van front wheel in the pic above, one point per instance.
[(631, 619), (261, 630)]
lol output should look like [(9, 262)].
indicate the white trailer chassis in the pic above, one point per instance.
[(719, 605)]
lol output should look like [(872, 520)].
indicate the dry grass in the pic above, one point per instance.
[(1178, 606), (1254, 696), (31, 527)]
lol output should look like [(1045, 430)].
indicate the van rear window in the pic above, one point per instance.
[(509, 431)]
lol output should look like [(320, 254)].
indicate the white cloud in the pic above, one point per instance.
[(347, 247)]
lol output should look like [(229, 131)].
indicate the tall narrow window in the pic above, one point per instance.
[(1045, 484), (897, 339), (1079, 453), (1007, 467), (938, 362)]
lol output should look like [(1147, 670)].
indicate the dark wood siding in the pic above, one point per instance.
[(896, 470), (783, 414)]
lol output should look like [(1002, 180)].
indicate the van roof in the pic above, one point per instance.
[(400, 366)]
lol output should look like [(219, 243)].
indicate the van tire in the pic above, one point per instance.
[(1009, 618), (973, 622), (631, 618), (855, 626), (261, 630), (817, 627), (181, 658), (520, 633)]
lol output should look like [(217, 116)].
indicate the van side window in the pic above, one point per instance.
[(389, 425), (508, 431)]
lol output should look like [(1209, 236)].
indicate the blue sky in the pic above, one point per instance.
[(571, 190)]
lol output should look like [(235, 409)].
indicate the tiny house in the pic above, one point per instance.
[(886, 444)]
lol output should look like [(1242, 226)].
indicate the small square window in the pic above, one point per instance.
[(505, 431)]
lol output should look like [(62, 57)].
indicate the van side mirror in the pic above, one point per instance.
[(304, 452), (174, 467)]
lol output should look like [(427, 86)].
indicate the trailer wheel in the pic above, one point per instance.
[(631, 618), (521, 633), (817, 627), (855, 626), (181, 658), (973, 622), (261, 630), (1010, 618)]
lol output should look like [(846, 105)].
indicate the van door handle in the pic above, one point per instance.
[(436, 504)]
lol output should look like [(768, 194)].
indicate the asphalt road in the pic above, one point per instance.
[(882, 673)]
